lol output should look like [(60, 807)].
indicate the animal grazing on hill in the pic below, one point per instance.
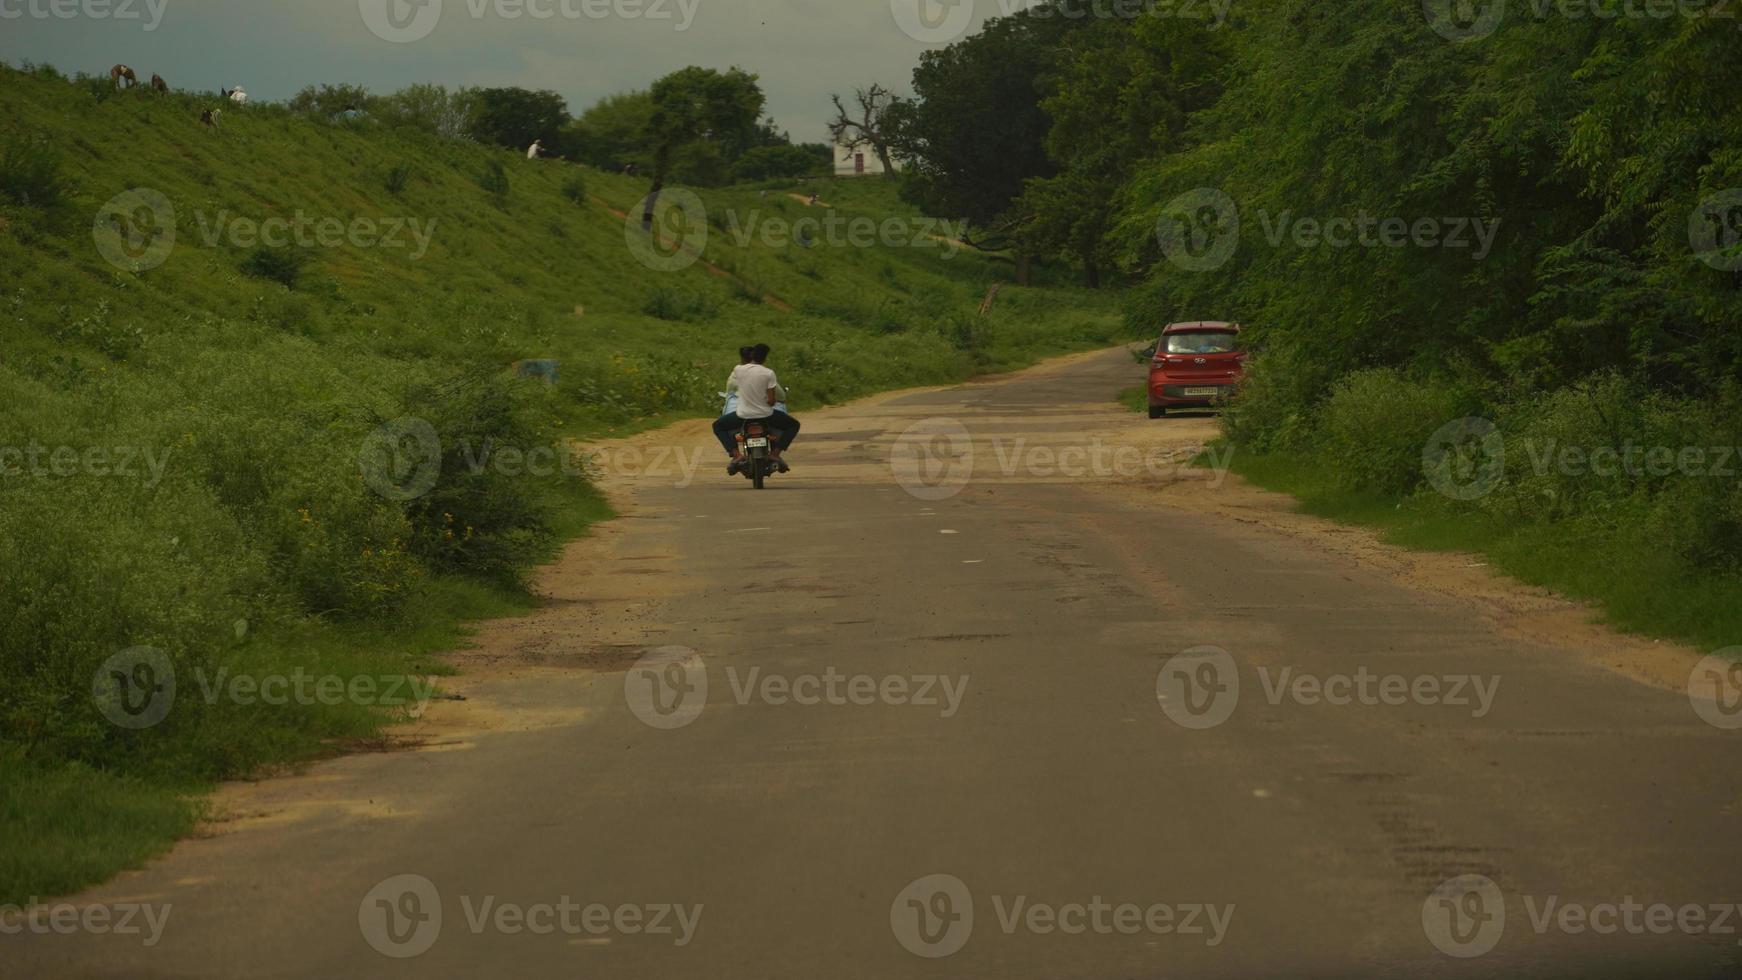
[(123, 76), (158, 85), (236, 95), (211, 117)]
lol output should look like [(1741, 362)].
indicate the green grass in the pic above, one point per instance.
[(1620, 568), (259, 374), (1135, 399)]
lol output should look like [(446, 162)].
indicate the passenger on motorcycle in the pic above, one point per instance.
[(760, 397)]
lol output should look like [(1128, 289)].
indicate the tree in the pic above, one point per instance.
[(330, 100), (867, 124), (613, 133), (692, 106), (975, 132), (767, 162), (431, 109), (514, 117), (1121, 92)]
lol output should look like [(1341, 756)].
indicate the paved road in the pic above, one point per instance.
[(1050, 735)]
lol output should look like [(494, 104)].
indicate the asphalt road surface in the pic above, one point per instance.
[(989, 686)]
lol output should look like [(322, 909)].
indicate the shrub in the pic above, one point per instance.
[(30, 173), (494, 179), (1377, 422), (397, 178), (671, 304), (575, 189), (280, 265)]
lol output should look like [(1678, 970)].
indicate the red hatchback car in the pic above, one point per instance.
[(1195, 365)]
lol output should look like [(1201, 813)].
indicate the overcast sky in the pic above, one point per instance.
[(583, 49)]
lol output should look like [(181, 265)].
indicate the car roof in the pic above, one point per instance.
[(1201, 325)]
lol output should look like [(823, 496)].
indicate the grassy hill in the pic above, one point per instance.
[(191, 450)]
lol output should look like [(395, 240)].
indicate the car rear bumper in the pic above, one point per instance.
[(1177, 394)]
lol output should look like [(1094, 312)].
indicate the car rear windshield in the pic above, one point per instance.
[(1205, 342)]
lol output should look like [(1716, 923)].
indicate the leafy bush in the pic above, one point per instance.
[(575, 189), (1377, 422), (397, 177), (30, 173), (280, 265), (494, 179), (672, 304)]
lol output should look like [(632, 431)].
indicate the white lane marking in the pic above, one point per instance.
[(973, 561), (949, 532), (747, 530)]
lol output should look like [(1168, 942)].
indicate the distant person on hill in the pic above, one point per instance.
[(536, 150)]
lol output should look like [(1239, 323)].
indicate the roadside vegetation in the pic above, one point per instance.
[(1541, 359), (200, 426)]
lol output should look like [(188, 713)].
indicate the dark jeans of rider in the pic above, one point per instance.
[(726, 428)]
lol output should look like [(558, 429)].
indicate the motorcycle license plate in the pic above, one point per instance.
[(1202, 392), (756, 443)]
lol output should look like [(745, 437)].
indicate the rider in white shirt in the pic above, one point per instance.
[(759, 398)]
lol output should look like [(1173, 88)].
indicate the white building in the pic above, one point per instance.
[(860, 162)]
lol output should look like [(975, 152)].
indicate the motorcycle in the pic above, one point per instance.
[(755, 445)]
